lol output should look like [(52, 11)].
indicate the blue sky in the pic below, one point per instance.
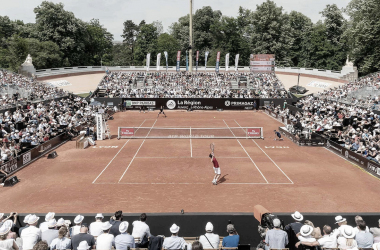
[(112, 13)]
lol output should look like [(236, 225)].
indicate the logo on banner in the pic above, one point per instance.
[(127, 132), (10, 166), (227, 103), (27, 157), (170, 104), (253, 131), (346, 154)]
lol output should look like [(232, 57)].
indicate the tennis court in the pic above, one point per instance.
[(166, 168)]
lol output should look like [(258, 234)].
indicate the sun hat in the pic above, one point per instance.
[(25, 219), (339, 219), (78, 219), (49, 216), (60, 222), (209, 227), (276, 222), (348, 232), (123, 226), (376, 246), (1, 215), (99, 216), (52, 223), (83, 245), (33, 219), (174, 229), (306, 230), (4, 230), (106, 225), (297, 216)]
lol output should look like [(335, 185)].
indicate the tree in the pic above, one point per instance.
[(130, 32), (166, 42), (7, 27), (146, 42)]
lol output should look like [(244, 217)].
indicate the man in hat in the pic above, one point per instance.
[(124, 239), (209, 240), (44, 225), (96, 227), (52, 232), (83, 236), (26, 224), (342, 222), (174, 242), (327, 241), (76, 229), (276, 237), (293, 229), (105, 240), (232, 240), (31, 235)]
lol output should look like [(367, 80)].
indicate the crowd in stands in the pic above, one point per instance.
[(201, 85), (24, 89), (101, 234)]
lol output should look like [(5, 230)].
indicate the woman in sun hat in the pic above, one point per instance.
[(347, 241), (316, 230), (6, 244)]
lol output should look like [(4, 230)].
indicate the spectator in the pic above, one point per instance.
[(61, 223), (141, 230), (115, 222), (316, 230), (293, 229), (83, 246), (83, 236), (44, 225), (41, 245), (198, 246), (6, 244), (124, 239), (62, 242), (96, 227), (363, 238), (359, 220), (174, 242), (347, 241), (31, 235), (232, 240), (26, 224), (76, 229), (276, 237), (342, 223), (105, 240), (327, 241), (376, 233), (209, 240), (52, 232), (305, 234)]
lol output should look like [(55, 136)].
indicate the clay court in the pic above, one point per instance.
[(167, 175)]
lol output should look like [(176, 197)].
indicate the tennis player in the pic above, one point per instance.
[(216, 169), (278, 134), (161, 111)]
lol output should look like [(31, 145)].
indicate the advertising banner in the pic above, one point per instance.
[(196, 61), (254, 132), (147, 61), (140, 103), (127, 131), (217, 62), (166, 58), (158, 61), (262, 62), (236, 62), (178, 60), (99, 127), (227, 61)]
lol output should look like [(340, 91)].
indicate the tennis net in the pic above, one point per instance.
[(189, 132)]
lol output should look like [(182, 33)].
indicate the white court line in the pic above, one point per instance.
[(184, 157), (116, 155), (247, 153), (137, 152), (269, 157), (196, 183), (191, 146)]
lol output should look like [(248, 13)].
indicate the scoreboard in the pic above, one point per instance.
[(262, 62)]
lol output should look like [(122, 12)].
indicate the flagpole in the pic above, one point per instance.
[(191, 38)]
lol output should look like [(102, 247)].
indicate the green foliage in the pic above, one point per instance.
[(166, 42), (146, 42)]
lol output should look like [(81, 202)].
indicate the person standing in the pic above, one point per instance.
[(161, 112), (276, 237), (216, 169)]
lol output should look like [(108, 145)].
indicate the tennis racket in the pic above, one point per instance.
[(212, 146)]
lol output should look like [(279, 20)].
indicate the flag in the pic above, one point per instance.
[(227, 60), (196, 60), (178, 60), (206, 55), (147, 61), (166, 58), (217, 62), (158, 61), (236, 62)]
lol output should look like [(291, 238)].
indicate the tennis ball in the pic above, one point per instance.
[(214, 116)]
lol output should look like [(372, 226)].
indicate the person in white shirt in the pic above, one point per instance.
[(356, 229), (96, 227), (209, 240), (76, 229), (327, 241), (347, 241), (140, 228), (31, 235), (44, 225), (105, 240), (5, 243), (174, 242)]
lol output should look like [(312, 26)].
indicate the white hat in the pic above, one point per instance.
[(26, 218), (174, 229), (4, 230), (348, 232), (376, 246), (78, 219), (106, 225), (306, 230), (209, 227), (52, 223), (123, 226), (297, 216), (276, 222), (1, 215), (49, 216), (60, 222), (83, 245), (99, 216), (33, 219), (339, 219), (8, 223)]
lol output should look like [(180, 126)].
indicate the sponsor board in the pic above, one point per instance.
[(237, 103), (43, 147), (372, 168), (27, 157), (316, 84), (254, 132), (171, 104), (140, 103), (127, 131), (10, 166)]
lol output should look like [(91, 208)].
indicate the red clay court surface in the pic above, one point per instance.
[(167, 175)]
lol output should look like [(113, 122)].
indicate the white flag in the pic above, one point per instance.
[(158, 61), (227, 60), (147, 61), (206, 55), (236, 62), (166, 58)]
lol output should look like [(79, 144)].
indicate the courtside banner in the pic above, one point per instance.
[(217, 62), (140, 103), (227, 61), (206, 55), (166, 58), (178, 60), (158, 61), (147, 61), (196, 61), (127, 131), (254, 132), (236, 62)]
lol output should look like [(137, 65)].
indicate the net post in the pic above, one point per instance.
[(118, 133), (190, 132)]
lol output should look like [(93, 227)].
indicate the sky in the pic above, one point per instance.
[(112, 13)]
